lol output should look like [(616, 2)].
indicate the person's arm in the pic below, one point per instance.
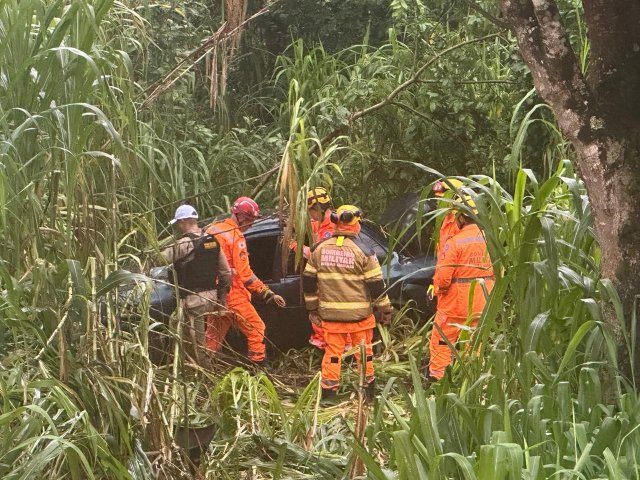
[(249, 279), (243, 270), (375, 282), (446, 267), (167, 254), (177, 251), (377, 288)]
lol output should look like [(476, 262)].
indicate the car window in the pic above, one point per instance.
[(291, 269), (381, 251), (262, 249)]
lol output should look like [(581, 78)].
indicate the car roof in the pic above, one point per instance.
[(271, 221)]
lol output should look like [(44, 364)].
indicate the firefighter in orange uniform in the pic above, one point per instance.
[(342, 285), (448, 227), (465, 263), (230, 235), (320, 210)]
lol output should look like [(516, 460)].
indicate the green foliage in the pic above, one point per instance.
[(527, 399), (88, 178)]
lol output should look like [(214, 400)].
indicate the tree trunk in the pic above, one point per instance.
[(600, 115)]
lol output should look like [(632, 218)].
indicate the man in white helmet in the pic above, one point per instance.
[(201, 273)]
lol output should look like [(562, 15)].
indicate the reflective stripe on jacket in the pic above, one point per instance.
[(234, 246), (465, 259), (342, 279)]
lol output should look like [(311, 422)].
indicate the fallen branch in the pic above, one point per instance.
[(194, 57)]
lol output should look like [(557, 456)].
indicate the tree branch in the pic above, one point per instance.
[(437, 124), (416, 76), (389, 100), (493, 19)]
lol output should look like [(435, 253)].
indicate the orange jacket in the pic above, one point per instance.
[(323, 230), (448, 229), (234, 247), (465, 259)]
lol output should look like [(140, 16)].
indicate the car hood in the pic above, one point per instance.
[(409, 268)]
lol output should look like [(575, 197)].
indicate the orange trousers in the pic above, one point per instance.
[(317, 337), (441, 355), (339, 334), (244, 317), (318, 341)]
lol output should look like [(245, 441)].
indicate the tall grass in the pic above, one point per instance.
[(84, 185), (540, 396)]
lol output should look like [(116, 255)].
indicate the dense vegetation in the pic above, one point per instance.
[(385, 94)]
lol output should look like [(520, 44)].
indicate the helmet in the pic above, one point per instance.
[(441, 186), (347, 215), (464, 204), (318, 195), (246, 206)]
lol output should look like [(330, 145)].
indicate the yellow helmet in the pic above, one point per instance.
[(347, 215), (441, 186), (464, 204), (318, 195)]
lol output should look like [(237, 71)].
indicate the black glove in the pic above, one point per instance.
[(267, 295)]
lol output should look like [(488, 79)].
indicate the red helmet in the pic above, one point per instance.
[(246, 206)]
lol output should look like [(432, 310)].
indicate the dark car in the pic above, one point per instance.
[(407, 280)]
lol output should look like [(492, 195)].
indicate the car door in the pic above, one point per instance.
[(286, 327), (291, 325)]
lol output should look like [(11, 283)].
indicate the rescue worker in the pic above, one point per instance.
[(201, 273), (464, 265), (320, 209), (230, 234), (448, 227), (343, 285)]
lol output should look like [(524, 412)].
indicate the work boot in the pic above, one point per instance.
[(258, 365), (329, 397), (430, 382), (370, 391)]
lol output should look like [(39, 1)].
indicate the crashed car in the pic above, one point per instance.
[(407, 280)]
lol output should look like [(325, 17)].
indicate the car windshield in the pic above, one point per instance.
[(378, 248)]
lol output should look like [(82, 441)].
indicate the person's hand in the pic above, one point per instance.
[(279, 301), (268, 296), (386, 315), (314, 317)]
